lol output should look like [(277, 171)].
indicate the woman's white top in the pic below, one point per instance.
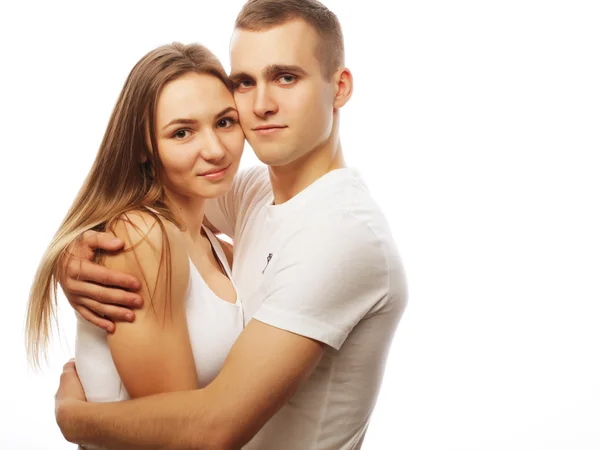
[(213, 324)]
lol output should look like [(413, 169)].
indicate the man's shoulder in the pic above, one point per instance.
[(252, 177), (347, 212), (341, 232), (251, 186), (348, 225), (357, 243), (346, 189)]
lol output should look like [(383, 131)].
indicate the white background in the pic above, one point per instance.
[(476, 125)]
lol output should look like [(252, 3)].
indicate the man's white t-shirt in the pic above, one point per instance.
[(322, 265)]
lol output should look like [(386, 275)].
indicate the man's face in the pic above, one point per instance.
[(284, 102)]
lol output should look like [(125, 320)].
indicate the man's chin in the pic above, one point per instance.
[(274, 158)]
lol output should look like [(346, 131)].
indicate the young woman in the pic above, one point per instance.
[(172, 142)]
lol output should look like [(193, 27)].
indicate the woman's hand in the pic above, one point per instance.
[(100, 295)]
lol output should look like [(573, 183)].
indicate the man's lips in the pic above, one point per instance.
[(267, 130), (268, 127)]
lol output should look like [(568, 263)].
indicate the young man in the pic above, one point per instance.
[(321, 281)]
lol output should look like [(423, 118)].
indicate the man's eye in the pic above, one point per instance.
[(244, 84), (286, 79)]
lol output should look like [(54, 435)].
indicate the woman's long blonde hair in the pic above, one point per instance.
[(125, 176)]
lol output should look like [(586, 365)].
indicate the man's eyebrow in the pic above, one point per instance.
[(237, 76), (274, 69), (268, 72)]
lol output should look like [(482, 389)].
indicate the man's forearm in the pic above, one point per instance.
[(178, 420)]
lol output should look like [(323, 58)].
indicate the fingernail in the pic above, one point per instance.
[(129, 316), (109, 328), (116, 241), (137, 301)]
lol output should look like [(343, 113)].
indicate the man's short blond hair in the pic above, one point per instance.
[(258, 15)]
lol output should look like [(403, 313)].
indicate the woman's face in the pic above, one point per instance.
[(198, 135)]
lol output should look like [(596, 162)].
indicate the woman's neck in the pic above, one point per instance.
[(190, 213)]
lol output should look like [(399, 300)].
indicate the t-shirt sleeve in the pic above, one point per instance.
[(326, 279), (225, 212)]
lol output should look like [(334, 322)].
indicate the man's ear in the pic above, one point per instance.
[(344, 85)]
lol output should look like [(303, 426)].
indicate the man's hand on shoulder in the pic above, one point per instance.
[(100, 295)]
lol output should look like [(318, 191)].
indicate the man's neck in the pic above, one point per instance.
[(287, 181)]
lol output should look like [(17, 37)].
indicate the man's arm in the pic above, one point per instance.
[(319, 291), (222, 213), (263, 370), (100, 294), (103, 296)]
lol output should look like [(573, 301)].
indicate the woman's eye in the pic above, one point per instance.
[(181, 134), (226, 122)]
